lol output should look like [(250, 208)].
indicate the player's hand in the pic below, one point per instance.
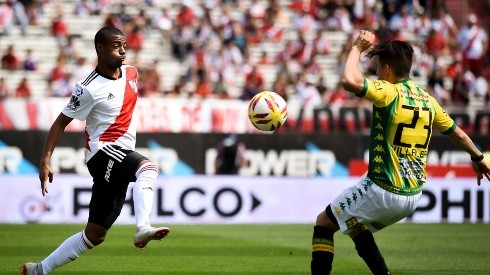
[(45, 174), (481, 168), (364, 41)]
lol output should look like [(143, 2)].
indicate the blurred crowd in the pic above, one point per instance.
[(215, 51)]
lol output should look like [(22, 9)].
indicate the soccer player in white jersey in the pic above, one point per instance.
[(105, 99), (403, 118)]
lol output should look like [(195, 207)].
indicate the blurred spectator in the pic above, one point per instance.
[(10, 60), (321, 43), (402, 20), (186, 16), (150, 79), (443, 23), (58, 80), (180, 89), (135, 39), (435, 44), (437, 86), (82, 69), (59, 28), (112, 20), (264, 59), (6, 18), (479, 90), (474, 44), (230, 156), (303, 21), (337, 96), (181, 41), (4, 91), (20, 15), (124, 17), (339, 21), (252, 29), (257, 9), (281, 84), (23, 88), (69, 51), (29, 63), (461, 86), (204, 87), (220, 88), (162, 21), (307, 92), (423, 25), (87, 7)]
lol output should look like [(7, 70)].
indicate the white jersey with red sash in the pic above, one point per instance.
[(107, 105)]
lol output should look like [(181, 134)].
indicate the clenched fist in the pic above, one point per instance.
[(364, 41)]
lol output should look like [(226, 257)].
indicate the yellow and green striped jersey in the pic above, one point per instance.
[(401, 127)]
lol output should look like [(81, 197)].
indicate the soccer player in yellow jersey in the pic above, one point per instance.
[(402, 122)]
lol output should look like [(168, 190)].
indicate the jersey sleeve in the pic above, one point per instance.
[(381, 93), (442, 121), (80, 105)]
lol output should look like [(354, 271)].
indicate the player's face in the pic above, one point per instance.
[(115, 51)]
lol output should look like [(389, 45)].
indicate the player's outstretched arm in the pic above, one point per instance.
[(464, 142), (352, 78), (54, 135)]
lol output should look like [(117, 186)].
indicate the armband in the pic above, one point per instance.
[(479, 158)]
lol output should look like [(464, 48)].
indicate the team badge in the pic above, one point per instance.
[(351, 222), (133, 85)]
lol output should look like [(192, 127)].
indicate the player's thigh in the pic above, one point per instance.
[(111, 175)]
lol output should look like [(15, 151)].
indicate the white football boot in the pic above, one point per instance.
[(32, 269), (148, 233)]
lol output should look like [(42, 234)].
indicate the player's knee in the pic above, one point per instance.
[(327, 219), (95, 238), (147, 170)]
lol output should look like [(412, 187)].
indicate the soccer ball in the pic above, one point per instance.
[(267, 111)]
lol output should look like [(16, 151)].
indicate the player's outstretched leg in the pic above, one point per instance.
[(368, 250), (67, 252), (143, 202)]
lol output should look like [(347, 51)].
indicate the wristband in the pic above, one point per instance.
[(479, 158)]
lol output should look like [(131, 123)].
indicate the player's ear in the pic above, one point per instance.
[(99, 47)]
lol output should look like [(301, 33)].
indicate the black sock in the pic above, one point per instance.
[(322, 251), (368, 250)]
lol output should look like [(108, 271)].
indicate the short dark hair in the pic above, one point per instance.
[(104, 35), (396, 54)]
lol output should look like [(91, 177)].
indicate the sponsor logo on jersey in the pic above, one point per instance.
[(111, 96), (79, 91), (74, 103)]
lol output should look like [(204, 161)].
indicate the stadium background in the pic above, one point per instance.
[(195, 93)]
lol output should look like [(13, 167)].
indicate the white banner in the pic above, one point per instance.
[(230, 200), (172, 115)]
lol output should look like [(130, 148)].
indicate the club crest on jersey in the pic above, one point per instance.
[(74, 103), (133, 85)]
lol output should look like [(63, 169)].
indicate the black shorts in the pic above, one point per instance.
[(112, 169)]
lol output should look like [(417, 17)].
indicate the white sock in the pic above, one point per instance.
[(143, 192), (67, 252)]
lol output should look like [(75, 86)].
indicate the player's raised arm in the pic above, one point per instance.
[(352, 78), (54, 135), (463, 141)]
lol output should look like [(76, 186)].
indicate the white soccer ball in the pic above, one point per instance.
[(267, 111)]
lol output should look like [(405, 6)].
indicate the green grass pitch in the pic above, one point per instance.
[(252, 249)]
